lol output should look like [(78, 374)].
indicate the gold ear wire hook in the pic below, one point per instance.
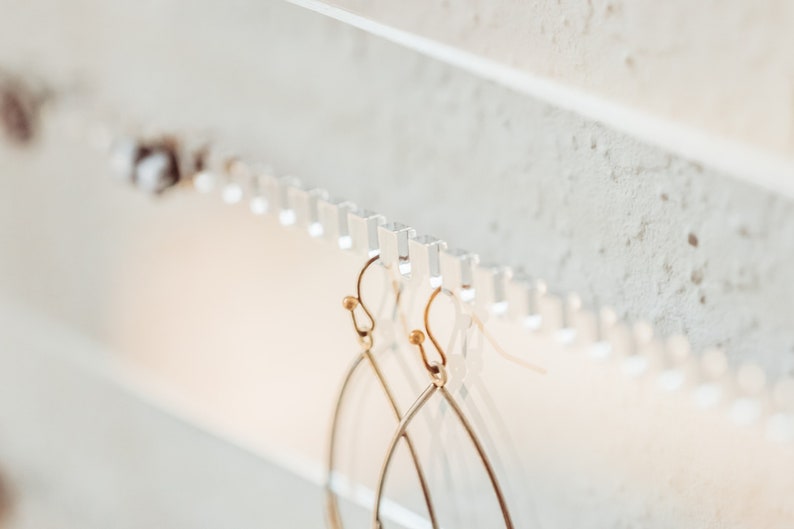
[(368, 356), (438, 376), (351, 302), (417, 338)]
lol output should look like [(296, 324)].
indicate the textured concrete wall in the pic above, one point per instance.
[(725, 67), (511, 178), (514, 178)]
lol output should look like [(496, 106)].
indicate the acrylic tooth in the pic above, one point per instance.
[(425, 253), (523, 299), (304, 202), (393, 240), (491, 284), (364, 231), (457, 272), (281, 192), (333, 215)]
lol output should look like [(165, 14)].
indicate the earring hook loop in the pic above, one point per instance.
[(351, 302), (417, 338)]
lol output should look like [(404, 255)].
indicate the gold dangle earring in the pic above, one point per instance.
[(438, 380), (365, 338)]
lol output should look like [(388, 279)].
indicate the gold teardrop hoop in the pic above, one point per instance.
[(438, 375), (367, 356)]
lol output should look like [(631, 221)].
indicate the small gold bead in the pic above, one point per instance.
[(416, 337), (350, 302)]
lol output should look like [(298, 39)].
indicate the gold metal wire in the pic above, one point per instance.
[(501, 350), (438, 376), (417, 338), (351, 302), (365, 338)]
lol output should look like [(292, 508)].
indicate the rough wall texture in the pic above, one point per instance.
[(513, 179), (521, 182), (686, 64)]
